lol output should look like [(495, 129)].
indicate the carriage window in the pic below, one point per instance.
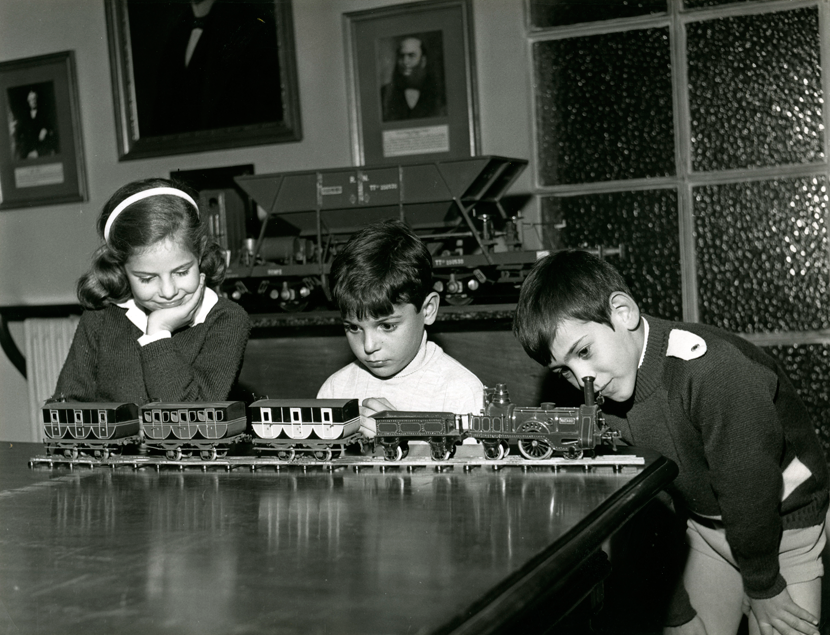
[(147, 417), (165, 416), (326, 414), (210, 415), (200, 414), (220, 416), (296, 415), (265, 415), (79, 416), (183, 416), (174, 416), (102, 416), (157, 416), (54, 415), (192, 416)]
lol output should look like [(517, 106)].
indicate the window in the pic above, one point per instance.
[(693, 133)]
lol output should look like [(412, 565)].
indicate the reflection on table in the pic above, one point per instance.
[(295, 551)]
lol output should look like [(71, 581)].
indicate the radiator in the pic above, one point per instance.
[(47, 345)]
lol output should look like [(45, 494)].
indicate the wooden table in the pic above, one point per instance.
[(304, 550)]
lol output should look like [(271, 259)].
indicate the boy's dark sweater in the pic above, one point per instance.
[(732, 421), (198, 363)]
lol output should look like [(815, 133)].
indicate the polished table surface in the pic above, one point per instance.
[(300, 550)]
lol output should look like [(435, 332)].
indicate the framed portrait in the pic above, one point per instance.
[(411, 82), (191, 77), (41, 145)]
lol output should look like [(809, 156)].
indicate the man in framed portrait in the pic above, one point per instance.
[(416, 90), (218, 68), (34, 132)]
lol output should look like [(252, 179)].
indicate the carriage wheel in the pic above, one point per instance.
[(286, 455), (208, 455), (573, 453), (221, 453), (404, 449), (174, 455), (102, 454), (504, 444), (71, 453), (322, 455), (534, 449)]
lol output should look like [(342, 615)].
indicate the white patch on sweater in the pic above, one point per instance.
[(795, 474), (685, 345)]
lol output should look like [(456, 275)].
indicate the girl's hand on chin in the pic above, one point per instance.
[(176, 317)]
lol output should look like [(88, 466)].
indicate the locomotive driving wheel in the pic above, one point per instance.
[(208, 455), (534, 449), (494, 451), (573, 453)]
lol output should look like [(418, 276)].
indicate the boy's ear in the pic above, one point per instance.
[(430, 308), (624, 310)]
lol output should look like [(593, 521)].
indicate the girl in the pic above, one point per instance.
[(154, 328)]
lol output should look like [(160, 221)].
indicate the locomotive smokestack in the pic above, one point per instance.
[(500, 395), (588, 388)]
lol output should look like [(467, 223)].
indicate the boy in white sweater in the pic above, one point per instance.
[(382, 284)]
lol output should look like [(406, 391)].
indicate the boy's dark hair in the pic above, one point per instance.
[(382, 265), (138, 227), (568, 284)]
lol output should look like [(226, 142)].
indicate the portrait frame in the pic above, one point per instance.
[(41, 143), (134, 51), (444, 125)]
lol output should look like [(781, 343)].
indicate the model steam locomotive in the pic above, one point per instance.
[(320, 429)]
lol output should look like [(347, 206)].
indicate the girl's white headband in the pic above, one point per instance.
[(153, 191)]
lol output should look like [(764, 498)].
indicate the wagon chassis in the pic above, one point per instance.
[(318, 449), (100, 448), (208, 449)]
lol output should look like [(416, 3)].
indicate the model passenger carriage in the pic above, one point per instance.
[(209, 428), (317, 427), (101, 428)]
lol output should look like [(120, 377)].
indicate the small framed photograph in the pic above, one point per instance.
[(412, 87), (41, 145), (199, 76)]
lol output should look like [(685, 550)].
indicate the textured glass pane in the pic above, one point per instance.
[(755, 90), (548, 13), (762, 255), (604, 107), (808, 365), (644, 223)]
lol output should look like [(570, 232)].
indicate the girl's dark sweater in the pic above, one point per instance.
[(198, 363)]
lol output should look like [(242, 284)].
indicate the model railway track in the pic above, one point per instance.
[(617, 463)]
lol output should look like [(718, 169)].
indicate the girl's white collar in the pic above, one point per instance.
[(139, 317)]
